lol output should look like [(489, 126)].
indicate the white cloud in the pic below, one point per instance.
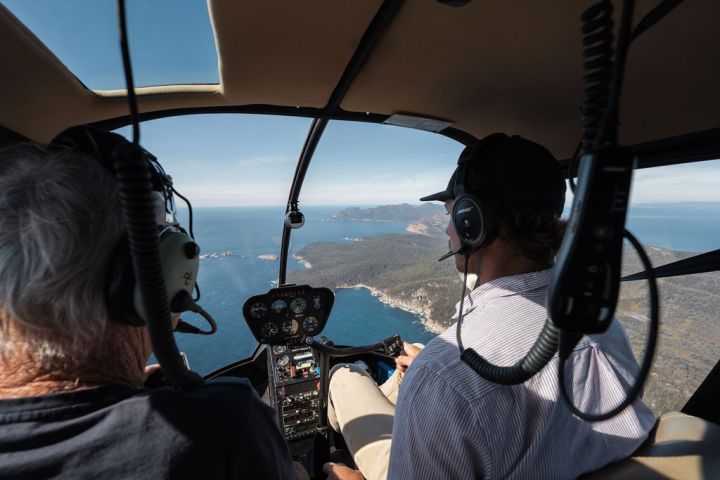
[(678, 183)]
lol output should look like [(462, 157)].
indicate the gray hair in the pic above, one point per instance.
[(60, 221)]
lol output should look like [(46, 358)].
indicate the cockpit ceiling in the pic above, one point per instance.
[(490, 66)]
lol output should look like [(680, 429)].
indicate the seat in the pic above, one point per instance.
[(680, 446)]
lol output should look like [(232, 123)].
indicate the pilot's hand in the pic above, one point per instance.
[(410, 351), (336, 471)]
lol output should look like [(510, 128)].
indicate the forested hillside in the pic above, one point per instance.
[(389, 213), (404, 270)]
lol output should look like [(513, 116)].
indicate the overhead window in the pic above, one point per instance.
[(171, 42)]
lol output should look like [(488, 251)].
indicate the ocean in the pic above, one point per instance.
[(358, 317), (226, 281)]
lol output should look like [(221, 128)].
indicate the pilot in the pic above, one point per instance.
[(449, 421), (72, 400)]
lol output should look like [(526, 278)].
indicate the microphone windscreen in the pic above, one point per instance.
[(447, 255), (462, 251)]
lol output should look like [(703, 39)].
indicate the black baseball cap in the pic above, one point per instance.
[(523, 175)]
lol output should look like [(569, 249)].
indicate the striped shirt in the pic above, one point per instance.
[(450, 423)]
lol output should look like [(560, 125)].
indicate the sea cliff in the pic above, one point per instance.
[(400, 270), (417, 304)]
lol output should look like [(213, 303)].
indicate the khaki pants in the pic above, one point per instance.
[(363, 413)]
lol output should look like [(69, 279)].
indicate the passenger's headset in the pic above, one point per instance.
[(179, 254), (475, 215)]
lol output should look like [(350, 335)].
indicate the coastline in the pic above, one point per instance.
[(422, 311), (302, 261)]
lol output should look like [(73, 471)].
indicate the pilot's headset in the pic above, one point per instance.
[(179, 254), (475, 215)]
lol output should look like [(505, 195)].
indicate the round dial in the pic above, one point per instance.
[(258, 310), (290, 327), (282, 361), (278, 349), (278, 305), (268, 330), (310, 324), (298, 305)]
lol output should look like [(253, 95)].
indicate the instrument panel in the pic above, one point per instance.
[(294, 375), (289, 312)]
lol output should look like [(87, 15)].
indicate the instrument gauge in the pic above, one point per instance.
[(258, 310), (290, 327), (282, 361), (317, 303), (268, 330), (298, 305), (310, 325), (279, 349), (278, 305)]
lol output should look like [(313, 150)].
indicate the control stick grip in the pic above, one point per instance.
[(389, 346), (392, 346)]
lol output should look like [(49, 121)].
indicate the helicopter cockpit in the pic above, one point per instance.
[(343, 254)]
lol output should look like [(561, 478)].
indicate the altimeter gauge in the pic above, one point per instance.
[(269, 330), (298, 305), (290, 327), (310, 325), (278, 349), (258, 310), (282, 361)]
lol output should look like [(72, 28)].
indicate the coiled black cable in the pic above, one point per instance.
[(597, 30), (135, 187), (190, 212), (567, 343), (537, 357)]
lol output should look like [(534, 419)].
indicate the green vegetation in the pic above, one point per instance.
[(404, 268), (689, 343), (389, 213)]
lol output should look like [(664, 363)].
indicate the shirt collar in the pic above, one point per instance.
[(503, 287)]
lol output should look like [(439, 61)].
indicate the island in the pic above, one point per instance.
[(268, 256), (213, 255), (388, 213)]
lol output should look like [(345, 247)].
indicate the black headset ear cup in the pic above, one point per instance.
[(475, 220)]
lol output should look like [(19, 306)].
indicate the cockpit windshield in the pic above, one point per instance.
[(368, 238), (361, 192)]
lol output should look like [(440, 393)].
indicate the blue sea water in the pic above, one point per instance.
[(226, 281), (357, 317), (686, 227)]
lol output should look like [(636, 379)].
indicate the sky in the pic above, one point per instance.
[(224, 160)]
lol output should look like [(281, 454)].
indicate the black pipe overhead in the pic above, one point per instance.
[(380, 21), (316, 130)]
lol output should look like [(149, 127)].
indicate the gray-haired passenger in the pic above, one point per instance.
[(72, 401)]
